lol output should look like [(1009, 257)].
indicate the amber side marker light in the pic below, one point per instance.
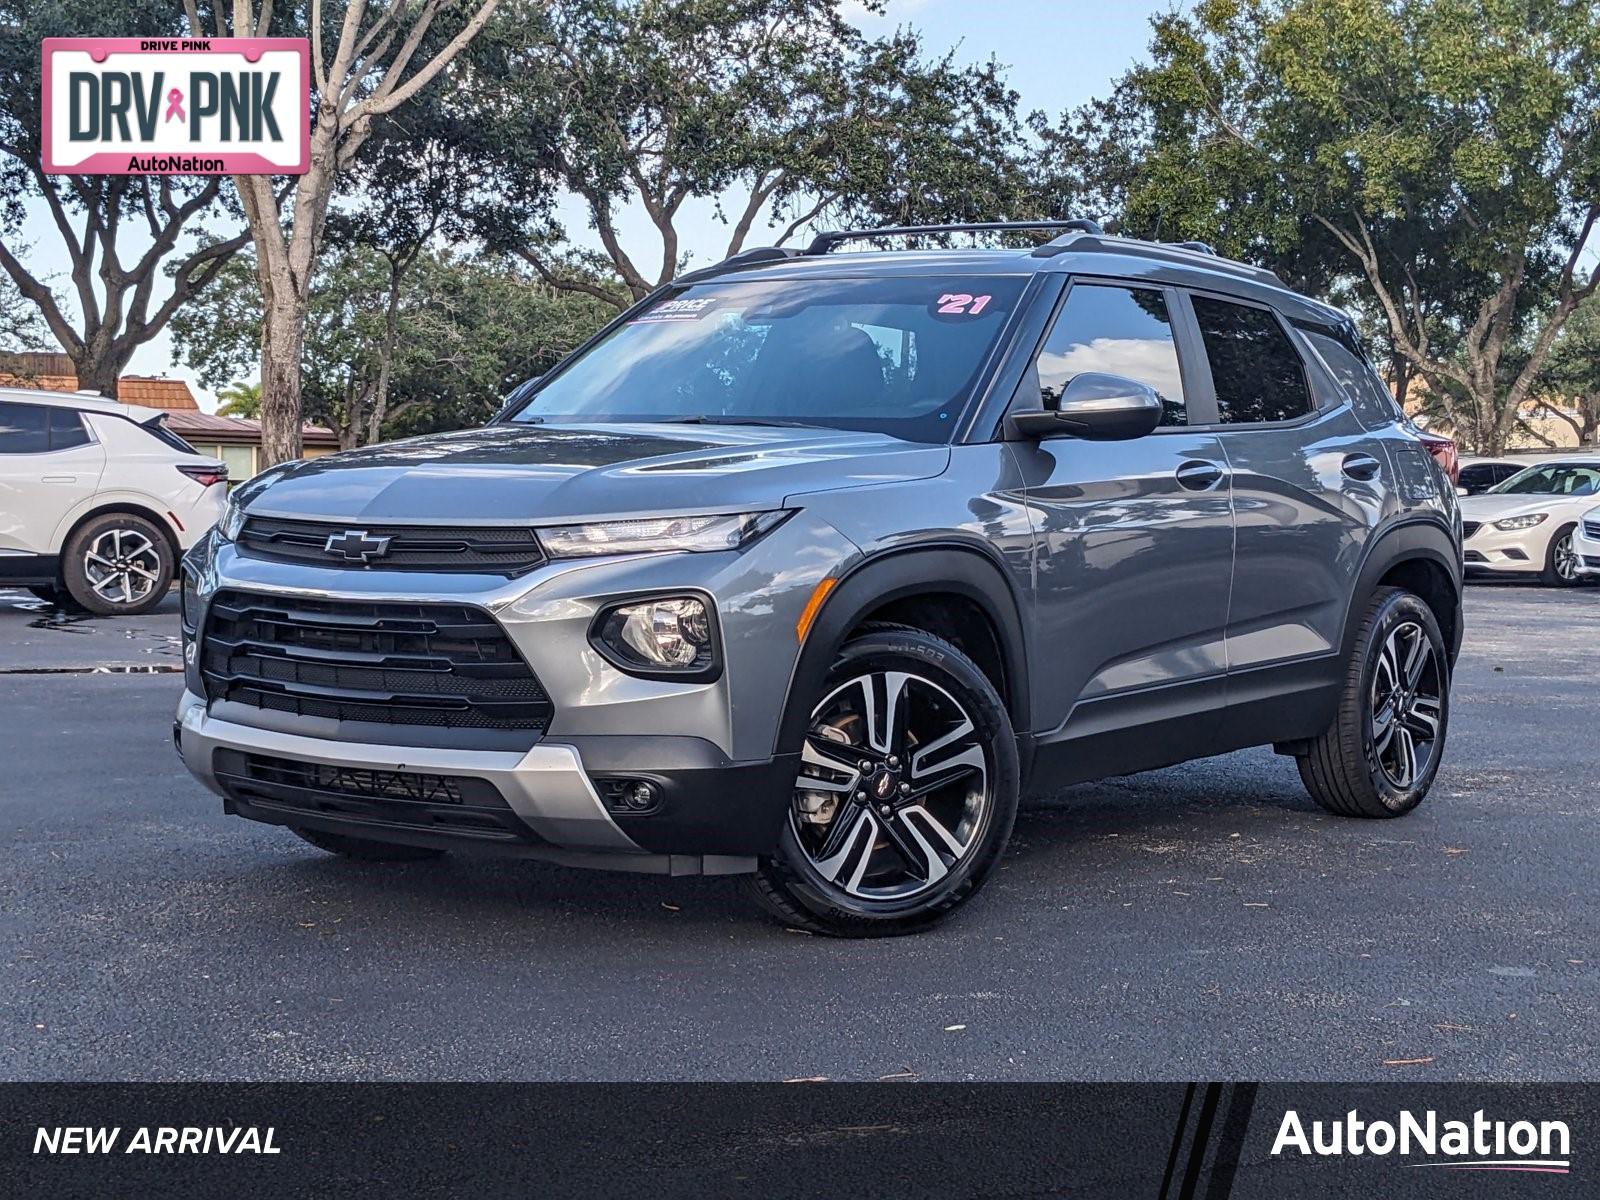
[(813, 606)]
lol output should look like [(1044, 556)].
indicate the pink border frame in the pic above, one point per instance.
[(233, 163)]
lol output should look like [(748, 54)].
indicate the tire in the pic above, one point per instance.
[(118, 565), (365, 849), (1357, 767), (1560, 564), (922, 836)]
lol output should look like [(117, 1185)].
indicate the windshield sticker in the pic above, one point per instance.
[(676, 310), (959, 304)]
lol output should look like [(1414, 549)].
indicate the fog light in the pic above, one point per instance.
[(670, 636), (637, 796), (641, 795)]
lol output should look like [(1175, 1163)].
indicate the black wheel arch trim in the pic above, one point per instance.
[(897, 574), (1413, 539)]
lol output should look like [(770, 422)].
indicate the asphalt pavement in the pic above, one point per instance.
[(1206, 921)]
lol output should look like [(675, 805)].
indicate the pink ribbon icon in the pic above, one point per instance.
[(175, 105)]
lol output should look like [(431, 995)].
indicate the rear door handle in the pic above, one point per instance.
[(1199, 475), (60, 479), (1360, 466)]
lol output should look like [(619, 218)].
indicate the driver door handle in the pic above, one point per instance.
[(1360, 466), (1199, 475)]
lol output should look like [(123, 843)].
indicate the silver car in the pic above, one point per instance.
[(812, 565)]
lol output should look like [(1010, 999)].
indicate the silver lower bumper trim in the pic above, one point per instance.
[(546, 787)]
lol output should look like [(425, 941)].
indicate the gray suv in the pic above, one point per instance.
[(812, 564)]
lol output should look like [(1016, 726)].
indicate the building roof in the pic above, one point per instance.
[(156, 393), (238, 431)]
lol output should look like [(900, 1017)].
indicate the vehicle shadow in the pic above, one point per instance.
[(1131, 827)]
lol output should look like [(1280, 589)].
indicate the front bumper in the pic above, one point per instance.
[(709, 747), (1494, 551), (552, 802), (1587, 548)]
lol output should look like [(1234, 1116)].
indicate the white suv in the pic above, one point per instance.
[(98, 500)]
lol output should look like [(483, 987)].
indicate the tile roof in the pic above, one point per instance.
[(156, 393)]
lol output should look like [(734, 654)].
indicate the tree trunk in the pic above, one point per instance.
[(283, 327), (99, 372)]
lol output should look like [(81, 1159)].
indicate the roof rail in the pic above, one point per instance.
[(754, 256), (1181, 252), (825, 242)]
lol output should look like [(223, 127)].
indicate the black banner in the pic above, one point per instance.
[(1166, 1142)]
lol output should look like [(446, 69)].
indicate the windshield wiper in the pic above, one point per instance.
[(739, 421)]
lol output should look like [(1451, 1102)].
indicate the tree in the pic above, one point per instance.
[(776, 111), (1573, 374), (121, 233), (444, 348), (20, 324), (240, 399), (1445, 151), (371, 71)]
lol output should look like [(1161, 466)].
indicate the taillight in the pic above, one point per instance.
[(206, 475)]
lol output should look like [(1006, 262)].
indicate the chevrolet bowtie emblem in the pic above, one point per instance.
[(356, 546)]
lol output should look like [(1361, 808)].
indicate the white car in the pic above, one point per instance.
[(1525, 525), (98, 500), (1586, 544)]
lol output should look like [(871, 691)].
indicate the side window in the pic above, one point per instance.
[(1256, 369), (24, 429), (66, 429), (1119, 330), (1369, 395)]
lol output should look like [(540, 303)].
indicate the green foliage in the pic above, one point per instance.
[(240, 399), (778, 109), (468, 328), (1444, 152)]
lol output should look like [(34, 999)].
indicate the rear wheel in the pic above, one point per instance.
[(1561, 561), (118, 565), (906, 794), (365, 849), (1380, 755)]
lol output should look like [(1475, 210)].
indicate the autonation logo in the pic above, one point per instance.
[(1476, 1145)]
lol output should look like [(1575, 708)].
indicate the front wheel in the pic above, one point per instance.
[(1561, 561), (118, 565), (1380, 755), (906, 794)]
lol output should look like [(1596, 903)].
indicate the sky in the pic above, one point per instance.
[(1058, 54)]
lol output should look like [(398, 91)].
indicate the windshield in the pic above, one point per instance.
[(898, 356), (1557, 479)]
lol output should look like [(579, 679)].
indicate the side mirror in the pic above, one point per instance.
[(1097, 407), (515, 397)]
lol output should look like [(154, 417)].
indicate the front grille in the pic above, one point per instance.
[(399, 799), (499, 550), (1468, 528), (1591, 529), (443, 665)]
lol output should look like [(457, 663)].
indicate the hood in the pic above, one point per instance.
[(545, 473), (1492, 507)]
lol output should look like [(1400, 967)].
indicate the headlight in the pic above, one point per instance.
[(1526, 521), (727, 531), (231, 520), (668, 636)]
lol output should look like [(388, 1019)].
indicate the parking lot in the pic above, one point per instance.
[(1205, 921)]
